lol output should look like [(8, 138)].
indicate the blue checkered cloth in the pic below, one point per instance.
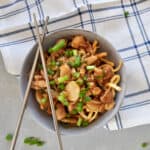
[(129, 35)]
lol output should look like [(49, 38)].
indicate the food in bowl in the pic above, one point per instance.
[(83, 81)]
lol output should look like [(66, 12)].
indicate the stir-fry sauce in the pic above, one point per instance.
[(82, 79)]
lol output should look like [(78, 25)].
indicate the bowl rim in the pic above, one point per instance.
[(105, 120)]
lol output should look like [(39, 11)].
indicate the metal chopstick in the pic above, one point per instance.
[(48, 86), (25, 99)]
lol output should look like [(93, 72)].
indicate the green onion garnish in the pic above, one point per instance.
[(80, 81), (61, 86), (90, 67), (87, 98), (33, 141), (50, 72), (74, 112), (52, 82), (126, 14), (84, 78), (76, 63), (144, 144), (79, 122), (84, 123), (43, 100), (79, 106), (69, 53), (74, 52), (40, 66), (63, 79), (63, 99), (53, 63), (9, 137), (59, 45), (76, 74), (83, 93)]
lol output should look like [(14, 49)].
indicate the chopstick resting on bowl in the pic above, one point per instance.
[(25, 98), (48, 85)]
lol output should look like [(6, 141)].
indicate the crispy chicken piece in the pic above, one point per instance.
[(96, 91), (95, 106), (73, 90), (78, 41), (65, 70), (107, 97), (107, 71), (60, 111), (38, 84), (71, 107), (92, 59)]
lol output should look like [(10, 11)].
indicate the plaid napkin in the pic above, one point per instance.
[(124, 23)]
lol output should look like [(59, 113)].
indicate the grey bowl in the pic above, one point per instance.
[(33, 107)]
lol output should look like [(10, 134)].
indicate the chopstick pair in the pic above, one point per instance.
[(26, 96)]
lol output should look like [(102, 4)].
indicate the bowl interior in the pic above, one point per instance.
[(41, 117)]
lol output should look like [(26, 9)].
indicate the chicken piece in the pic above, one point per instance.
[(107, 97), (92, 59), (71, 107), (96, 91), (107, 71), (95, 106), (60, 111), (38, 84), (78, 41), (65, 70), (38, 77), (73, 90)]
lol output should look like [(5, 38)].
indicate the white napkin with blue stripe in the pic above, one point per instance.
[(129, 35)]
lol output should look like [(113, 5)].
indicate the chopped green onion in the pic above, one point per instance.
[(100, 76), (84, 123), (43, 100), (63, 99), (50, 72), (40, 66), (144, 144), (87, 98), (53, 63), (79, 122), (84, 78), (80, 81), (9, 137), (63, 79), (126, 14), (61, 86), (76, 63), (90, 67), (74, 112), (52, 82), (33, 141), (76, 74), (74, 52), (83, 93), (79, 106), (69, 53), (59, 45)]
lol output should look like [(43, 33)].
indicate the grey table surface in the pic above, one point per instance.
[(99, 139)]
